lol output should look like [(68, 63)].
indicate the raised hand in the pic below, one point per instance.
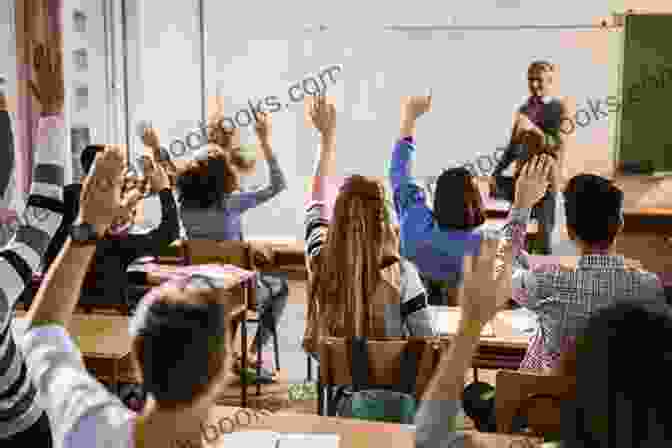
[(487, 282), (533, 181), (263, 126), (156, 174), (413, 107), (323, 116), (49, 89), (150, 138), (102, 200)]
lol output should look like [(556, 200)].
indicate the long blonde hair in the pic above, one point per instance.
[(348, 269)]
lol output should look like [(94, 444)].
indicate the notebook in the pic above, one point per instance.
[(270, 439)]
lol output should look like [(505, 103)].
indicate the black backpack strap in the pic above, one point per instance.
[(409, 371), (359, 363)]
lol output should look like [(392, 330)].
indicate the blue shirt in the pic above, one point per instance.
[(436, 252)]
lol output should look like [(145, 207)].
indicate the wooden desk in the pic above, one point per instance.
[(353, 433), (502, 345), (104, 341)]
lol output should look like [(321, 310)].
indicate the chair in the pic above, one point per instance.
[(236, 253), (384, 367), (523, 391)]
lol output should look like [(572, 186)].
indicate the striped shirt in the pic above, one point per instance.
[(412, 315), (19, 408), (565, 298)]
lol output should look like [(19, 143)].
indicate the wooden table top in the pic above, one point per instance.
[(224, 276), (353, 433), (503, 331), (97, 335)]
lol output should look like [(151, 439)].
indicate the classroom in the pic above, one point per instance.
[(349, 224)]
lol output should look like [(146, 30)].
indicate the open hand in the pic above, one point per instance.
[(323, 116), (533, 181), (263, 126), (102, 199), (156, 174), (49, 89), (150, 138)]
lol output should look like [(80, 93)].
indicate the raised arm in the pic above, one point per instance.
[(169, 229), (323, 115), (481, 296), (101, 203), (404, 151), (44, 210), (246, 200)]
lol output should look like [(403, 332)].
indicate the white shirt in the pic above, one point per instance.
[(83, 414)]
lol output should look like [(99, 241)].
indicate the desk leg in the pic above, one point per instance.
[(243, 351)]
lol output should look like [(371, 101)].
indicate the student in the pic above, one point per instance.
[(612, 364), (564, 298), (24, 422), (107, 281), (435, 240), (353, 258), (212, 205)]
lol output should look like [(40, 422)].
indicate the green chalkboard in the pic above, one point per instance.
[(645, 140)]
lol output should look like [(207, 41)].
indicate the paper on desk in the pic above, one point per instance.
[(270, 439), (448, 320), (262, 439), (300, 440)]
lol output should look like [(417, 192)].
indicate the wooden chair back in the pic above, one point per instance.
[(535, 395), (384, 360), (236, 253)]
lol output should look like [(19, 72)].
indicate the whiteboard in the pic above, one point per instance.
[(478, 78)]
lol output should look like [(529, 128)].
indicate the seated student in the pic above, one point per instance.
[(435, 240), (358, 283), (211, 206), (107, 282), (7, 149), (23, 421), (611, 408), (564, 298)]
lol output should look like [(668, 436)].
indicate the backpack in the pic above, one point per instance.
[(396, 404)]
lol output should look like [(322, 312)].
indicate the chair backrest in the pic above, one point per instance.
[(236, 253), (535, 395), (385, 356)]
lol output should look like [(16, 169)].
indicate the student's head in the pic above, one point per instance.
[(205, 182), (457, 200), (360, 235), (618, 353), (540, 78), (181, 344), (594, 210)]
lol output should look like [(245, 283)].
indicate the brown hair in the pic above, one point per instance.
[(540, 66), (347, 271), (206, 182), (167, 364), (457, 202)]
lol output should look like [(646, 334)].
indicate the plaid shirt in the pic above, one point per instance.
[(564, 298)]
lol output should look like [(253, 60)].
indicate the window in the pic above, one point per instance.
[(80, 59), (79, 21)]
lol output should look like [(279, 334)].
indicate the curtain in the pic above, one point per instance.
[(37, 21)]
